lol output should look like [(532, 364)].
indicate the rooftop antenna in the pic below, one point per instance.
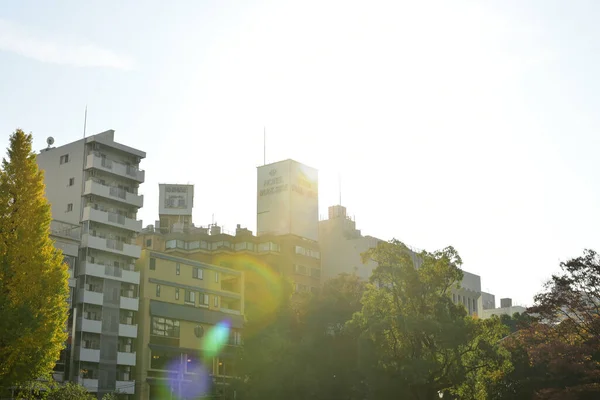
[(85, 121), (340, 186), (264, 145)]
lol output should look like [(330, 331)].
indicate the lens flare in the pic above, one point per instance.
[(264, 289), (181, 387), (216, 338)]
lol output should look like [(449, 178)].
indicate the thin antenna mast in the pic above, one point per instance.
[(85, 121), (340, 186), (264, 145)]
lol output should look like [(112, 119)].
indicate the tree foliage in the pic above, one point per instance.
[(425, 344), (38, 390), (33, 278)]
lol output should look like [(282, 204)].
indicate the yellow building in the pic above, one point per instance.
[(190, 318)]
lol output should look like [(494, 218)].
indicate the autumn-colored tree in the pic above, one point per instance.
[(563, 346), (33, 278)]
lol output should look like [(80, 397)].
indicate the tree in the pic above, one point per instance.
[(306, 351), (53, 391), (563, 345), (424, 343), (33, 278)]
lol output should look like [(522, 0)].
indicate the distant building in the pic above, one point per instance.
[(175, 206), (506, 308), (342, 246), (488, 301), (181, 302), (287, 200), (469, 293), (93, 183)]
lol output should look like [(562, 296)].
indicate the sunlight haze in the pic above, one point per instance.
[(471, 124)]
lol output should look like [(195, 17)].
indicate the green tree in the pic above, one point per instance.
[(306, 351), (424, 343), (53, 391), (33, 278)]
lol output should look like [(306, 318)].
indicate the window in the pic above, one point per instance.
[(216, 277), (176, 293), (165, 327), (216, 301), (197, 273), (190, 297), (157, 290), (308, 252), (177, 269), (148, 242), (69, 207), (300, 288), (64, 159), (268, 246), (205, 299), (152, 264), (71, 181), (300, 269)]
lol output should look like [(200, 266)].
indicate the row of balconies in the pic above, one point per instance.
[(127, 387), (97, 298), (111, 245), (112, 219), (93, 355), (108, 271), (94, 160), (96, 188), (93, 326)]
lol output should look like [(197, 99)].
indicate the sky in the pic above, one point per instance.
[(463, 123)]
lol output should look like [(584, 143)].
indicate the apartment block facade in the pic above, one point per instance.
[(293, 257), (184, 305), (93, 183)]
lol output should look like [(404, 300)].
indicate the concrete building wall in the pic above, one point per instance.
[(488, 301), (57, 177)]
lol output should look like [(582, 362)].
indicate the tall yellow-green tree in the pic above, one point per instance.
[(33, 278)]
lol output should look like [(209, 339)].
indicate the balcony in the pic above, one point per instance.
[(94, 160), (128, 330), (128, 303), (90, 297), (112, 219), (126, 358), (90, 325), (113, 193), (90, 355), (230, 311), (90, 384), (107, 271), (127, 387), (111, 245)]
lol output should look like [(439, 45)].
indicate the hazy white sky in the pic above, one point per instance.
[(461, 123)]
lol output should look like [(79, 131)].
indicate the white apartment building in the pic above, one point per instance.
[(93, 183)]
